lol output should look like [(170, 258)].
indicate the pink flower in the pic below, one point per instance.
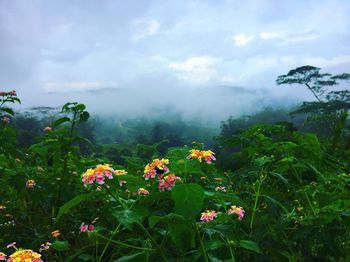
[(86, 228), (13, 245), (109, 174), (220, 188), (208, 215), (142, 192), (2, 256), (239, 211), (168, 182), (100, 179), (45, 246), (83, 227)]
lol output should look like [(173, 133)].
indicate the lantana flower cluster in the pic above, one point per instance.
[(99, 174), (210, 215), (26, 255), (158, 168), (207, 156), (11, 93)]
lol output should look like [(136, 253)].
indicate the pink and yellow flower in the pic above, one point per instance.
[(2, 256), (120, 172), (220, 188), (45, 246), (167, 182), (98, 174), (142, 192), (86, 228), (208, 215), (30, 184), (207, 156), (13, 245), (239, 211), (157, 167), (25, 255)]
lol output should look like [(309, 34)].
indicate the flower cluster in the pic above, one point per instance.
[(26, 255), (30, 184), (208, 215), (55, 233), (142, 192), (167, 182), (239, 211), (2, 256), (11, 93), (220, 188), (86, 228), (208, 155), (157, 167), (98, 174), (45, 246)]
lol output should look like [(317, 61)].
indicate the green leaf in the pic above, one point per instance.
[(8, 110), (60, 245), (181, 232), (70, 204), (61, 121), (141, 256), (84, 117), (154, 220), (213, 244), (250, 245), (127, 218), (188, 199)]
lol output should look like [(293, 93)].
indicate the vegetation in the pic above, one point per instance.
[(273, 187)]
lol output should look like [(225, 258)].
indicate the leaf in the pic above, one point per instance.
[(181, 232), (154, 220), (281, 177), (188, 199), (70, 204), (60, 245), (250, 245), (213, 244), (127, 218), (8, 110), (84, 117), (61, 121), (141, 256)]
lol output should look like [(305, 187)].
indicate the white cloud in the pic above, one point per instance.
[(271, 35), (196, 68), (301, 38), (145, 28), (72, 86), (324, 62), (242, 39)]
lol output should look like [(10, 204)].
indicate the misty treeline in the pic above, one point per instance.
[(274, 185)]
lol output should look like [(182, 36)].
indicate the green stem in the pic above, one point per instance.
[(257, 195), (108, 242), (204, 253), (122, 243), (231, 251), (160, 250), (117, 198)]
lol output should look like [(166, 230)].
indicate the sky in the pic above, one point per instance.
[(69, 47)]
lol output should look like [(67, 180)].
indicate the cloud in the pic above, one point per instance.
[(242, 39), (72, 86), (271, 35), (324, 62), (198, 68), (145, 27)]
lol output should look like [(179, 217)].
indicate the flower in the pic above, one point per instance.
[(157, 167), (220, 188), (208, 215), (47, 129), (98, 174), (2, 256), (168, 182), (5, 120), (208, 155), (2, 207), (25, 255), (142, 192), (56, 233), (86, 228), (13, 245), (239, 211), (30, 184), (120, 172), (11, 93), (45, 246), (122, 182)]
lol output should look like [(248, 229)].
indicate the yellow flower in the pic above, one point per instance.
[(56, 233), (120, 172), (26, 255)]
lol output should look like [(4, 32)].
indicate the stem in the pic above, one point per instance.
[(204, 253), (122, 243), (160, 250), (257, 195), (313, 92), (108, 242), (231, 251), (117, 198)]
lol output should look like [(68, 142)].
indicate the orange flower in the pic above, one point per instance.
[(56, 233)]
